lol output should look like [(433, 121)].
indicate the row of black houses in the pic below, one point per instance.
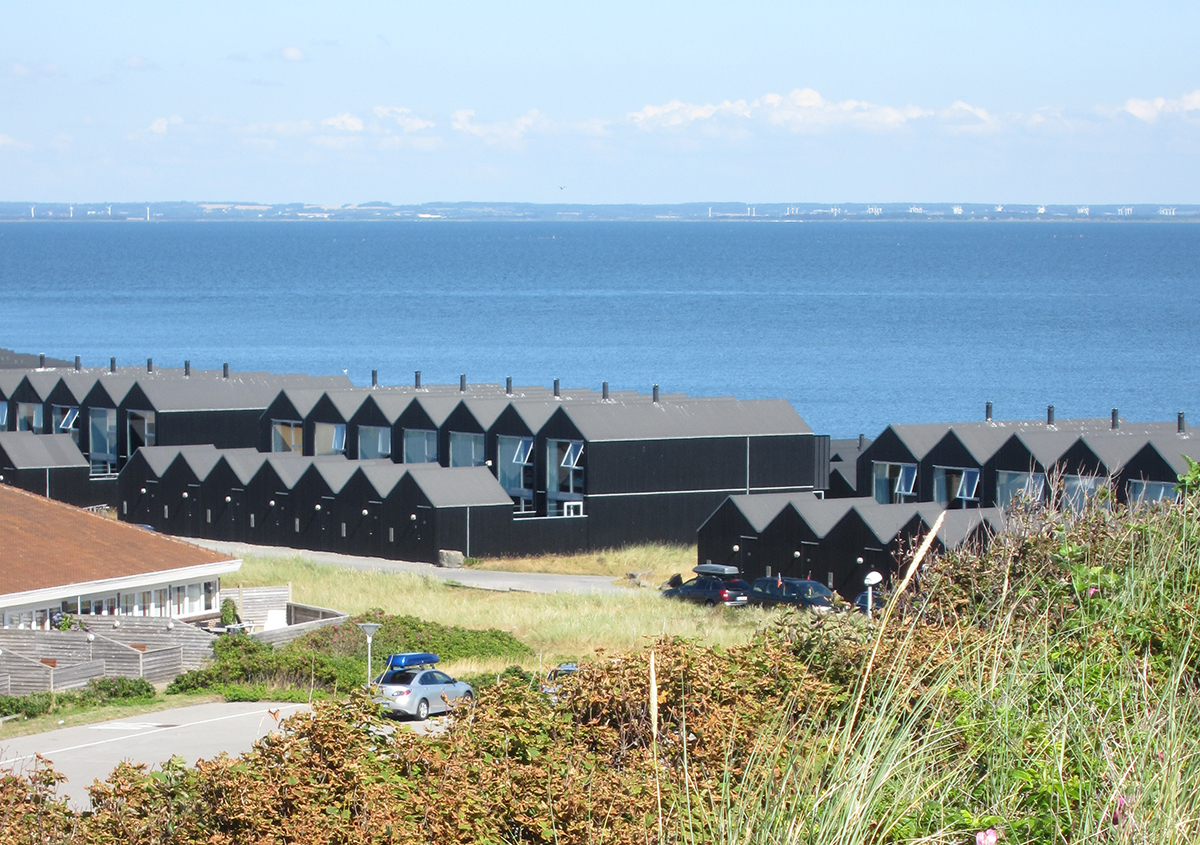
[(989, 463), (834, 541)]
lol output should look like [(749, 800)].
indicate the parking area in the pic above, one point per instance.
[(89, 752)]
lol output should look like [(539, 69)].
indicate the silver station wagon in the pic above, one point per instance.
[(410, 686)]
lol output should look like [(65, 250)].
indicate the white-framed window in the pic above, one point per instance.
[(1011, 485), (564, 475), (66, 421), (955, 484), (329, 439), (420, 446), (466, 449), (1151, 492), (287, 436), (894, 482), (374, 441), (514, 470), (102, 440), (572, 508), (139, 430), (29, 417)]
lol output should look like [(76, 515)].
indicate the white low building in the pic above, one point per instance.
[(56, 560)]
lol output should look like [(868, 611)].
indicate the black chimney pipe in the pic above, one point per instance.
[(604, 391), (1049, 415), (1181, 425), (149, 365), (112, 365), (374, 378), (417, 379), (225, 370), (987, 413), (462, 383), (78, 364), (654, 397), (557, 395), (187, 369), (41, 360), (1116, 422), (860, 442), (508, 386)]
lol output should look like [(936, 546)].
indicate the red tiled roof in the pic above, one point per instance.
[(46, 544)]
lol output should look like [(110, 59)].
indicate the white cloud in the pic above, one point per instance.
[(511, 132), (404, 118), (292, 54), (1150, 110), (160, 125), (801, 109), (964, 117), (344, 122), (6, 141)]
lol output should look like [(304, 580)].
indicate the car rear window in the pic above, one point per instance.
[(738, 584), (398, 676)]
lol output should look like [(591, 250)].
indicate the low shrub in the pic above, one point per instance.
[(105, 690)]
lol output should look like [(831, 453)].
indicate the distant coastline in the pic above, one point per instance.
[(697, 212)]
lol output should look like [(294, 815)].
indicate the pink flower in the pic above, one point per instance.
[(987, 837), (1092, 591), (1118, 815)]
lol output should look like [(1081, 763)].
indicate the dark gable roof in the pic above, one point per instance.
[(9, 380), (207, 395), (456, 487), (42, 382), (244, 463), (485, 411), (159, 458), (960, 525), (1173, 447), (302, 399), (114, 387), (535, 412), (336, 473), (821, 515), (291, 466), (78, 384), (847, 450), (26, 450), (201, 459), (383, 475), (438, 407), (1114, 449), (347, 401), (885, 521), (391, 405), (1047, 446), (919, 438), (759, 510), (684, 420), (981, 441)]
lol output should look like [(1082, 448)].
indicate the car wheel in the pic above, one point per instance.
[(422, 710), (467, 697), (710, 603)]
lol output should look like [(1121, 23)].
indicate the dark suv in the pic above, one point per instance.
[(794, 592), (711, 590)]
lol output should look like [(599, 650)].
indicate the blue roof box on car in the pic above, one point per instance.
[(403, 661), (715, 569)]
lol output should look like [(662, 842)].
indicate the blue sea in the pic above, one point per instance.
[(857, 324)]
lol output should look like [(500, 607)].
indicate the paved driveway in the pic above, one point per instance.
[(527, 582), (89, 752)]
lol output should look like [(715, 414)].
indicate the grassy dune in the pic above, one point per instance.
[(656, 561), (558, 626)]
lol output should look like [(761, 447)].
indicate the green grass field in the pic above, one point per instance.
[(558, 626)]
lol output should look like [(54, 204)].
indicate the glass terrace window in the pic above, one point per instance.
[(1010, 485), (962, 481), (564, 477), (287, 436), (894, 482), (141, 429), (29, 417), (420, 446), (66, 421), (374, 441), (102, 440), (514, 470), (466, 450), (1152, 492), (329, 439), (1078, 489)]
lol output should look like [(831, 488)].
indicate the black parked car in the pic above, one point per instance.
[(877, 602), (796, 592), (711, 590)]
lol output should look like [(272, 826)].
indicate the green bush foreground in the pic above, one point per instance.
[(1046, 689)]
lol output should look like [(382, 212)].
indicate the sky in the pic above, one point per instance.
[(600, 103)]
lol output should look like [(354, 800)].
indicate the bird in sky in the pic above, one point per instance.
[(562, 187)]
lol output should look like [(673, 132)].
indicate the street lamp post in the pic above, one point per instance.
[(872, 578), (369, 628)]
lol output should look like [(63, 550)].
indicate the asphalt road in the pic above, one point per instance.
[(526, 582), (89, 752)]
